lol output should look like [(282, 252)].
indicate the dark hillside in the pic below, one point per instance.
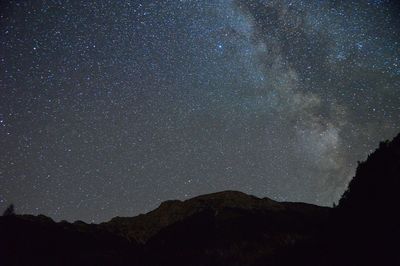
[(228, 228)]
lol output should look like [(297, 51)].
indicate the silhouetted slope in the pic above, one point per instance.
[(367, 218), (221, 228), (211, 229), (38, 240), (229, 228), (144, 226), (376, 184), (234, 236)]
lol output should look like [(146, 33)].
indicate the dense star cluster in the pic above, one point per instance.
[(110, 107)]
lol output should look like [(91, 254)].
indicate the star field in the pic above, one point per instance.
[(109, 107)]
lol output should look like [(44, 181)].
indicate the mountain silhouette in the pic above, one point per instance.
[(228, 228), (368, 212)]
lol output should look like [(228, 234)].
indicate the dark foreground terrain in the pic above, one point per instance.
[(229, 228)]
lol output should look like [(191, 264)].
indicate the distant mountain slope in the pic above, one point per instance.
[(207, 229), (232, 228), (38, 240), (229, 228), (143, 227)]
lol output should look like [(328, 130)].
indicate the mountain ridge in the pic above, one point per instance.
[(228, 228), (140, 228), (210, 220)]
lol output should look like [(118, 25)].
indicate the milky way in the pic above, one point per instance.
[(109, 108)]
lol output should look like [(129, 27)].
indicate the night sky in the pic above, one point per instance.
[(111, 107)]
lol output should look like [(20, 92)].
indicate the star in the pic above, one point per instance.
[(109, 108)]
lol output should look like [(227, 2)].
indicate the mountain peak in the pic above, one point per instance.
[(144, 226), (233, 199)]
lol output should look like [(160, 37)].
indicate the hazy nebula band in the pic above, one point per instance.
[(109, 107)]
